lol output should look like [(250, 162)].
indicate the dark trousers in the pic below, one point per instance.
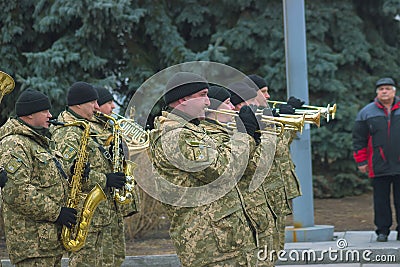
[(382, 208)]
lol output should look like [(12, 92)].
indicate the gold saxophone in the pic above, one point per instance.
[(120, 164), (73, 239)]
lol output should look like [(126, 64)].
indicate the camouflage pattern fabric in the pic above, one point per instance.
[(254, 204), (214, 234), (33, 195), (98, 248), (290, 179)]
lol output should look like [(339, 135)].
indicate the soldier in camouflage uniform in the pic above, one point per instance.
[(100, 248), (216, 233), (244, 93), (104, 132), (285, 185), (35, 194), (254, 205)]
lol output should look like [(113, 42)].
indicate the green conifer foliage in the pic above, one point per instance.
[(121, 43)]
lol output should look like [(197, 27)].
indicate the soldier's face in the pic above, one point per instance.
[(107, 108), (195, 104), (86, 110), (261, 99), (40, 119), (226, 105)]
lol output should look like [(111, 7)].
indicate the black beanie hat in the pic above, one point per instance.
[(183, 84), (81, 92), (31, 101), (241, 92), (385, 81), (217, 95), (258, 80), (104, 95)]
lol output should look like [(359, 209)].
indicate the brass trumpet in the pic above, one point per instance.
[(281, 123), (7, 84), (327, 111), (310, 118)]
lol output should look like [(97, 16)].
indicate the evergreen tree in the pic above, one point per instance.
[(121, 43)]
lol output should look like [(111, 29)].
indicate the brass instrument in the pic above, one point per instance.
[(293, 123), (120, 164), (136, 137), (280, 123), (327, 111), (310, 118), (73, 239), (7, 84)]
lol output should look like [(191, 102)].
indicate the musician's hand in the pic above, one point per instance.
[(286, 109), (275, 113), (3, 178), (295, 102), (116, 179), (363, 168), (67, 217), (247, 122)]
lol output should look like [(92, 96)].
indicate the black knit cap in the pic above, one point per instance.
[(385, 81), (81, 92), (241, 92), (183, 84), (31, 101), (258, 80), (217, 95), (104, 95)]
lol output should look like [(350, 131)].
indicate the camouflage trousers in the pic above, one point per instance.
[(39, 262), (118, 236), (104, 246)]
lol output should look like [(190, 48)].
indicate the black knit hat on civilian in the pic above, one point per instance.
[(258, 80), (104, 95), (217, 95), (241, 92), (183, 84), (81, 92), (31, 101), (385, 81)]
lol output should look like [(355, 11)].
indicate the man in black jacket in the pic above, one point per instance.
[(376, 144)]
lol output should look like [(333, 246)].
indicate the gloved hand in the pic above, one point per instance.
[(295, 102), (286, 109), (67, 217), (248, 123), (3, 178), (275, 113), (116, 179), (86, 170)]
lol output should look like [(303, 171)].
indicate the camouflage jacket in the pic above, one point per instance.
[(249, 187), (68, 139), (34, 193), (286, 165), (104, 134), (185, 156)]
